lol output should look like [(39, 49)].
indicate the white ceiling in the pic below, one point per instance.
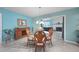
[(36, 11)]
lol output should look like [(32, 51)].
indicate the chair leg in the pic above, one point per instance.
[(51, 42), (35, 48), (27, 44), (44, 49)]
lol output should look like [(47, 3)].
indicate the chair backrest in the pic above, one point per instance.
[(40, 36), (28, 31), (50, 32)]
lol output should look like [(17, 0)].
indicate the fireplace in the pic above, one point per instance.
[(20, 33), (23, 32)]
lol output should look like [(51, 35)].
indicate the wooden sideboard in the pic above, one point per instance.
[(20, 33)]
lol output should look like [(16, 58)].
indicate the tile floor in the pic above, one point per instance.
[(58, 46)]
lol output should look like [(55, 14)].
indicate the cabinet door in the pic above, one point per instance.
[(18, 33)]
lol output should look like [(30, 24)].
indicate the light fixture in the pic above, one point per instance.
[(41, 22), (37, 22)]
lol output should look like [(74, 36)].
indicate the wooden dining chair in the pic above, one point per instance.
[(50, 35), (39, 37), (29, 37)]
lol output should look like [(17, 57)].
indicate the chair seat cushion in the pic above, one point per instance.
[(30, 38), (39, 43), (48, 37)]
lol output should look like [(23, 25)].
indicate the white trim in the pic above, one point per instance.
[(73, 42), (0, 29), (64, 27), (64, 24)]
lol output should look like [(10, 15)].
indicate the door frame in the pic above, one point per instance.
[(1, 29), (64, 25)]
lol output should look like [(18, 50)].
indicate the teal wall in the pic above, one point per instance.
[(9, 19), (72, 20)]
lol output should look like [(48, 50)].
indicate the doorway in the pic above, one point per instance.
[(59, 26)]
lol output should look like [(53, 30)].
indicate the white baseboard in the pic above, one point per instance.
[(73, 42)]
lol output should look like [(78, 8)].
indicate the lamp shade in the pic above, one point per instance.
[(41, 22)]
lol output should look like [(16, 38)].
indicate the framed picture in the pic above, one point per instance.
[(21, 22)]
